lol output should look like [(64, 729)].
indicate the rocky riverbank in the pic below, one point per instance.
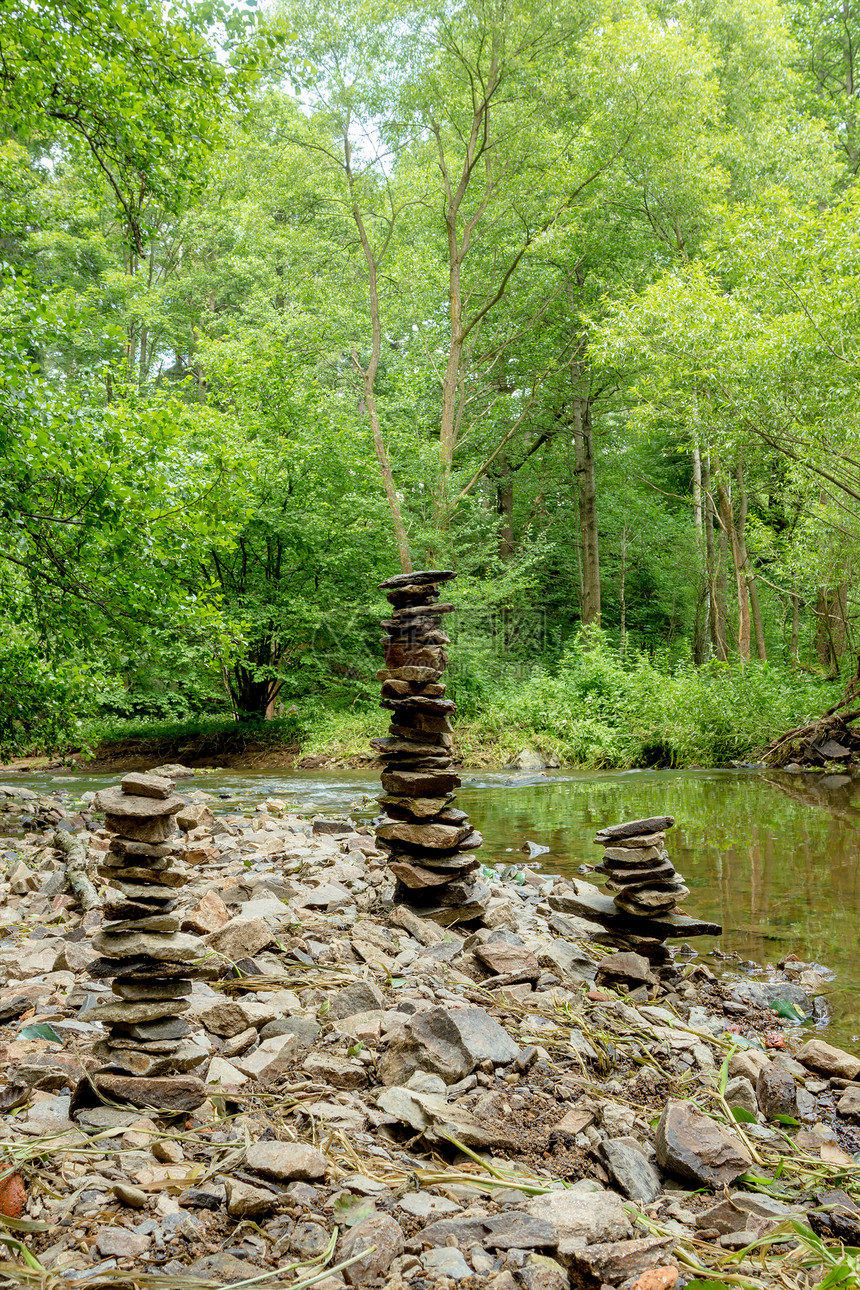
[(520, 1106)]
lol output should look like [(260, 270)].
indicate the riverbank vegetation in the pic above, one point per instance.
[(563, 298)]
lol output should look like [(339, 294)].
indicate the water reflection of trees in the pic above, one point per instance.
[(772, 857)]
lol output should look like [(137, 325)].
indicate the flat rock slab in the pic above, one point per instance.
[(695, 1148), (113, 801), (180, 1093), (127, 1012), (177, 948), (420, 578), (141, 785), (589, 902), (636, 828)]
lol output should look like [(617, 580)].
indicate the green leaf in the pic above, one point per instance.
[(783, 1008), (786, 1119), (743, 1116), (40, 1030), (349, 1210)]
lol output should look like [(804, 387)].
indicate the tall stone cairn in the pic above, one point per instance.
[(143, 950), (431, 844), (641, 877)]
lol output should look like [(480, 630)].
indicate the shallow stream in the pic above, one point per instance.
[(773, 857)]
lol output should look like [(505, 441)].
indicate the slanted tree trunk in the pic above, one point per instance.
[(583, 438), (795, 628), (715, 565)]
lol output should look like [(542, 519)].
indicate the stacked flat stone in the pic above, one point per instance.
[(431, 844), (142, 948), (641, 877)]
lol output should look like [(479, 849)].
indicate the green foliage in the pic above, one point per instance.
[(41, 704), (599, 708)]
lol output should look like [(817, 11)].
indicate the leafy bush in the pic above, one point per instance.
[(41, 703), (601, 709)]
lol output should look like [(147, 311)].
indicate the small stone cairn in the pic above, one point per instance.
[(642, 878), (431, 844), (142, 949)]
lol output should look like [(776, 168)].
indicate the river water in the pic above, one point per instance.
[(773, 857)]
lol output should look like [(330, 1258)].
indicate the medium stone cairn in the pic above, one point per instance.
[(142, 948), (642, 878), (431, 844)]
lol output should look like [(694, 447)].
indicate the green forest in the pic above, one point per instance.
[(565, 297)]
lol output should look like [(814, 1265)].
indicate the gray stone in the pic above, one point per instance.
[(446, 1262), (542, 1273), (740, 1092), (286, 1161), (305, 1029), (364, 996), (447, 1042), (582, 1217), (766, 993), (695, 1148), (734, 1213), (635, 1175), (224, 1268), (624, 968), (124, 1011), (517, 1230)]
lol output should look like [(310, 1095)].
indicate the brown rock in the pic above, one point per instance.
[(158, 829), (380, 1231), (162, 877), (615, 1261), (664, 1278), (504, 959), (624, 968), (286, 1161), (432, 837), (177, 948), (113, 801), (210, 914), (417, 878), (419, 783), (178, 1093), (240, 938), (402, 654), (627, 856), (418, 808), (140, 785), (822, 1057)]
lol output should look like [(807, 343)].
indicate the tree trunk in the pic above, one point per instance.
[(795, 628), (734, 517), (703, 600), (831, 627), (583, 438), (714, 569), (622, 589), (505, 507)]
